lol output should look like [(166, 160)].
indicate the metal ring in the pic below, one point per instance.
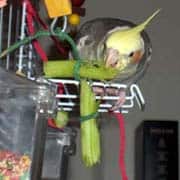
[(52, 27)]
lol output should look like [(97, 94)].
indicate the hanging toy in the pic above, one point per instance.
[(57, 8), (3, 3), (77, 11), (74, 19)]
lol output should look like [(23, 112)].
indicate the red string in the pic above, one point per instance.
[(59, 46), (122, 148), (32, 14), (52, 124), (60, 89), (31, 29)]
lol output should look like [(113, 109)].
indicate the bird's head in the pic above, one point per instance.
[(125, 46)]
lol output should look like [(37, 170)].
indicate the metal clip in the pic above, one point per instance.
[(52, 26), (136, 93)]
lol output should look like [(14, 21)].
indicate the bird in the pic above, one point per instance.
[(118, 44)]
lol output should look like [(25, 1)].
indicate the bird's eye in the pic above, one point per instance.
[(131, 54), (137, 56)]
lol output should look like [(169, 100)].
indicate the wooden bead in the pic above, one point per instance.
[(74, 19)]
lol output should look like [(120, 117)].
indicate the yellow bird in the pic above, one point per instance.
[(116, 43)]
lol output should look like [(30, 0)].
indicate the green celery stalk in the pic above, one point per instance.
[(90, 137), (65, 69)]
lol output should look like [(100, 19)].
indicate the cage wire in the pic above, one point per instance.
[(25, 59), (12, 29)]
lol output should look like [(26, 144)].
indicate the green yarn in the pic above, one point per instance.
[(63, 36), (89, 117)]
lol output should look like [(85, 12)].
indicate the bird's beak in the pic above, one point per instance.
[(111, 57)]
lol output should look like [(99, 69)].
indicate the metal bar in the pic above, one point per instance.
[(67, 81), (124, 111), (136, 92), (74, 96), (9, 34), (30, 57), (1, 27), (72, 104), (23, 25)]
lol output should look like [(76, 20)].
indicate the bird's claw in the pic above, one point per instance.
[(113, 92)]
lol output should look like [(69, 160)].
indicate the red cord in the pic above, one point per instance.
[(122, 148), (60, 88), (58, 44), (53, 125), (32, 14), (31, 29)]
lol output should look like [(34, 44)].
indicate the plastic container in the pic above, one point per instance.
[(24, 109), (59, 146)]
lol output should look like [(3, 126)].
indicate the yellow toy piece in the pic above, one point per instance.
[(20, 73), (74, 19), (57, 8)]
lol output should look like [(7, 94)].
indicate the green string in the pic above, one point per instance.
[(61, 35), (89, 117), (64, 36), (23, 42)]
